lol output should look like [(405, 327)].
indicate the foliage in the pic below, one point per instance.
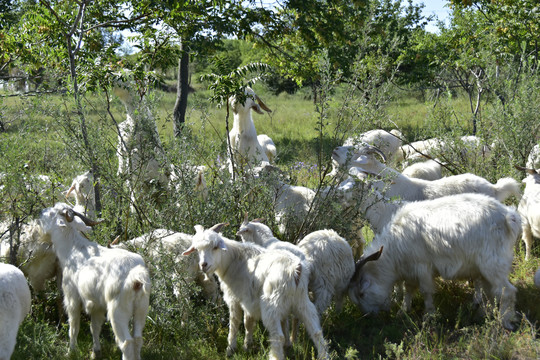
[(344, 30)]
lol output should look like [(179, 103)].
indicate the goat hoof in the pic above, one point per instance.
[(96, 354), (230, 351)]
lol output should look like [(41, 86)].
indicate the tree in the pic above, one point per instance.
[(301, 31)]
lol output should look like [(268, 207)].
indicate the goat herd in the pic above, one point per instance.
[(453, 227)]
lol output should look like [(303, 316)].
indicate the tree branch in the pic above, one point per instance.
[(116, 23)]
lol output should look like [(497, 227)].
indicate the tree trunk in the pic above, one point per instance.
[(179, 113)]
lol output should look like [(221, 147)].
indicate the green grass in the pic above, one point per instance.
[(39, 136)]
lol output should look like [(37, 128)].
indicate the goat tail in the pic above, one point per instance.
[(138, 280), (513, 225), (506, 187)]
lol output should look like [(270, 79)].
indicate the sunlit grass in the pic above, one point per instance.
[(456, 331)]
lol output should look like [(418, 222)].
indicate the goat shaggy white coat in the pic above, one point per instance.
[(264, 284), (112, 283), (467, 236), (388, 142), (328, 256), (15, 302), (529, 209), (35, 258), (427, 170), (418, 189)]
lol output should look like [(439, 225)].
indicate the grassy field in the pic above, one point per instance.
[(43, 137)]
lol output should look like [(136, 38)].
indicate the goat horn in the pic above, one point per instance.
[(375, 150), (262, 105), (217, 228), (246, 219), (258, 220), (70, 190), (87, 221), (527, 170), (360, 263), (69, 214)]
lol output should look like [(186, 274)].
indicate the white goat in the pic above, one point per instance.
[(467, 236), (529, 209), (418, 189), (167, 244), (243, 136), (15, 303), (112, 283), (533, 160), (82, 189), (466, 146), (35, 258), (256, 232), (265, 284), (418, 149), (328, 255), (332, 266), (141, 158), (427, 170), (388, 142), (291, 203)]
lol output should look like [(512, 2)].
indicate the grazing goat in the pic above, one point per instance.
[(529, 209), (467, 236), (265, 284), (245, 145), (418, 189), (112, 283), (15, 302)]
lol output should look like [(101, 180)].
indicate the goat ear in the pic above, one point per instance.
[(262, 105), (70, 190), (361, 160), (256, 107), (242, 231), (246, 219), (189, 250), (61, 222), (364, 285), (222, 245), (218, 227)]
